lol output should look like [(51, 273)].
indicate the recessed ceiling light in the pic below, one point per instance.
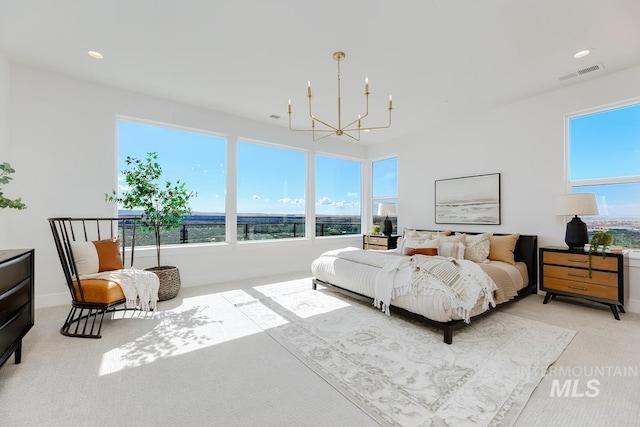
[(582, 53), (94, 54)]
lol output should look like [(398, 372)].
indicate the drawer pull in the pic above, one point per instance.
[(582, 276), (579, 288), (581, 261)]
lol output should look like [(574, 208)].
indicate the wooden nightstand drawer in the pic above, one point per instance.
[(375, 240), (584, 289), (581, 275), (581, 260)]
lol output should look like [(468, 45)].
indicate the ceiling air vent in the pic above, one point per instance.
[(585, 70)]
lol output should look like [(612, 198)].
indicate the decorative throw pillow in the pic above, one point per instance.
[(421, 251), (410, 233), (86, 257), (418, 244), (501, 248), (108, 254), (451, 249), (458, 238), (477, 247)]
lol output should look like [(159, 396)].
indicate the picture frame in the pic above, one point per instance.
[(468, 200)]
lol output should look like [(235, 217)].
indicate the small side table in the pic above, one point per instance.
[(379, 243)]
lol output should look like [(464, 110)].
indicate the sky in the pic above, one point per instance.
[(607, 145), (270, 180)]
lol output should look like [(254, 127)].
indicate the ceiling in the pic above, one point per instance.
[(438, 58)]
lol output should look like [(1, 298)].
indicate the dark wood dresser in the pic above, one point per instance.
[(16, 300)]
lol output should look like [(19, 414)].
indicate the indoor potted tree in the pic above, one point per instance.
[(5, 171), (163, 208)]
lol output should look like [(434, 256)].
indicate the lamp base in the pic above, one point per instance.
[(576, 235), (387, 228)]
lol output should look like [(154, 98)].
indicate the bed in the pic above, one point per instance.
[(492, 270)]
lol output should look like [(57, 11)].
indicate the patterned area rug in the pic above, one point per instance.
[(401, 373)]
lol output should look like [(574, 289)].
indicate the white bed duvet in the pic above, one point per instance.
[(441, 289)]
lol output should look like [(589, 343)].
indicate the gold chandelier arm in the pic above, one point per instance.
[(351, 136), (322, 137), (308, 130), (325, 124), (339, 130)]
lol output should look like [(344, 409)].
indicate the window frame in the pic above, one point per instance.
[(385, 197), (236, 212), (314, 212), (570, 185)]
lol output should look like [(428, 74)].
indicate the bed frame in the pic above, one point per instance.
[(526, 251)]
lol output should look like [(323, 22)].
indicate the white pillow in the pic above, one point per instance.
[(452, 249), (86, 257), (456, 239), (422, 243), (477, 247), (410, 233)]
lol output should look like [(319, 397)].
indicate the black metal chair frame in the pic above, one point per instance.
[(85, 318)]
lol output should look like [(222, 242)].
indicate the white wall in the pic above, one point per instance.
[(523, 141), (4, 139), (63, 138), (63, 144)]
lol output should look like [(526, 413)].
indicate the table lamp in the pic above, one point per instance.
[(576, 204), (387, 209)]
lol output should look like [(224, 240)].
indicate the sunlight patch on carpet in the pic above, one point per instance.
[(401, 373), (199, 322)]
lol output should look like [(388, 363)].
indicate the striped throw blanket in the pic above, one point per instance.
[(462, 281)]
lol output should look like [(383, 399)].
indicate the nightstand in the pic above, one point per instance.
[(566, 272), (379, 243)]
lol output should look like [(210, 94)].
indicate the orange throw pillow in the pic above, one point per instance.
[(421, 251), (109, 257)]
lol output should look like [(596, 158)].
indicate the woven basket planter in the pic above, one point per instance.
[(169, 281)]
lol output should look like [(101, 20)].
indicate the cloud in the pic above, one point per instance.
[(255, 197), (340, 204), (324, 201), (290, 201)]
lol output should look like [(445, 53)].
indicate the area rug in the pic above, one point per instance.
[(401, 373)]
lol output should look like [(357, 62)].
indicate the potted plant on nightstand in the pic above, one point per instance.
[(163, 208), (600, 241)]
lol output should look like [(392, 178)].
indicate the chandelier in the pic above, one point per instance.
[(351, 129)]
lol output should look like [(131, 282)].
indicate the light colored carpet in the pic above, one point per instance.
[(235, 374), (400, 372)]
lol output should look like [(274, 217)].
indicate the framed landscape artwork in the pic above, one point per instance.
[(468, 200)]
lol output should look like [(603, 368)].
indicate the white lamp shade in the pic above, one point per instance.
[(388, 209), (577, 204)]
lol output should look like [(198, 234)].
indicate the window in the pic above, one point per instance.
[(338, 196), (604, 158), (271, 192), (198, 159), (384, 185)]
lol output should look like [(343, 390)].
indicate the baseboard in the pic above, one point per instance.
[(632, 306), (52, 300)]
